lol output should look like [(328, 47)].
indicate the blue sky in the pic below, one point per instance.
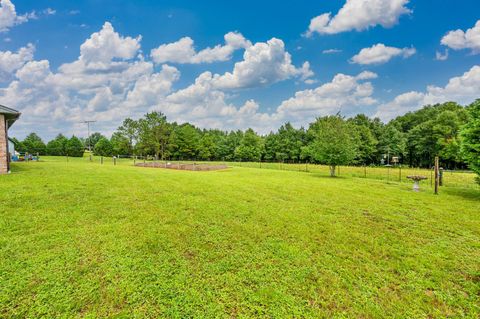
[(404, 63)]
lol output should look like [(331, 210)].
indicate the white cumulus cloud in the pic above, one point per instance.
[(9, 17), (462, 89), (380, 53), (109, 86), (12, 61), (183, 51), (344, 93), (359, 15), (204, 105), (105, 45), (263, 64), (106, 86), (206, 101), (459, 39)]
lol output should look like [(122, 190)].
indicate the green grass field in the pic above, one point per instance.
[(84, 240)]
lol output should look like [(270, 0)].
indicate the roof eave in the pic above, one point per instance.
[(11, 119), (10, 114)]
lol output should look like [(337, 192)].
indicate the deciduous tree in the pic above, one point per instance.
[(333, 142), (470, 136)]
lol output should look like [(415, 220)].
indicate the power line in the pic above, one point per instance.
[(88, 128)]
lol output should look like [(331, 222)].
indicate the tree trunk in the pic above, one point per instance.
[(332, 170)]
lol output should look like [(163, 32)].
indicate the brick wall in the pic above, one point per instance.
[(3, 146)]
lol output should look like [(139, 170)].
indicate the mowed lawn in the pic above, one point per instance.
[(84, 240)]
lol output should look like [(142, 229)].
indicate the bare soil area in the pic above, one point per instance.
[(185, 167)]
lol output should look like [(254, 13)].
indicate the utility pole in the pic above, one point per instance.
[(88, 128)]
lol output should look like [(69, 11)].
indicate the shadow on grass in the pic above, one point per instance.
[(319, 175), (19, 167), (466, 193)]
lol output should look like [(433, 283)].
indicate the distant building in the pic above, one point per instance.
[(7, 117)]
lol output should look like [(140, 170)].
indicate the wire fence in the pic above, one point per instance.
[(398, 174), (392, 174)]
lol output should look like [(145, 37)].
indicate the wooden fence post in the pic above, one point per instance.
[(436, 175)]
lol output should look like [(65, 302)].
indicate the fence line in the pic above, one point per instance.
[(393, 174)]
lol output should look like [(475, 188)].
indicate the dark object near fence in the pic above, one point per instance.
[(185, 167)]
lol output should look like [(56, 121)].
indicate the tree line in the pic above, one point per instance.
[(414, 139)]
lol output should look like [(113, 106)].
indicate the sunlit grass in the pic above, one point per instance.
[(394, 174), (80, 239)]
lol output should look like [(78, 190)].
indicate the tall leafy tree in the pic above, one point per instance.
[(271, 147), (392, 142), (228, 144), (333, 142), (33, 144), (184, 142), (121, 144), (250, 148), (432, 131), (206, 147), (57, 146), (75, 147), (366, 139), (446, 129), (217, 136), (289, 142), (470, 136), (129, 130), (154, 134), (93, 140), (103, 147)]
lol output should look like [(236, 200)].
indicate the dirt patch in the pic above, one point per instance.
[(184, 167)]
